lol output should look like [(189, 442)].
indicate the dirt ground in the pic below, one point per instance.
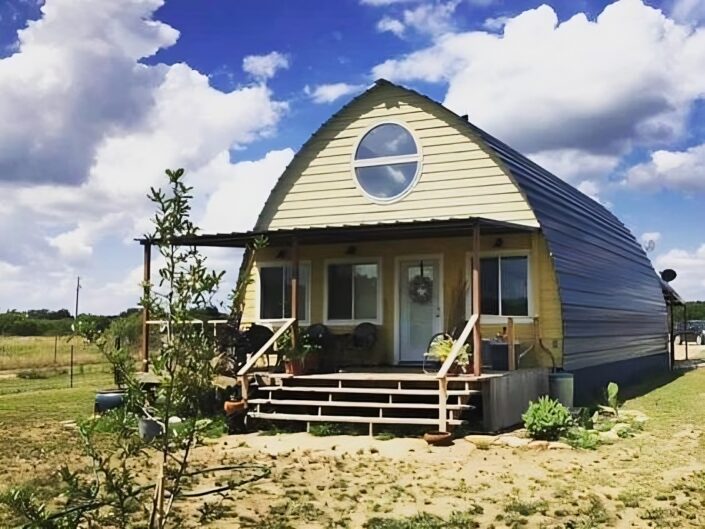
[(656, 479), (695, 351)]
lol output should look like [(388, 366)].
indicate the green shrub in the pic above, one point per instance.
[(582, 438), (547, 419)]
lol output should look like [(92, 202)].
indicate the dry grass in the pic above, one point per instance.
[(36, 352), (656, 479)]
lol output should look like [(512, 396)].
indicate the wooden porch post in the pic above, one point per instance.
[(476, 296), (295, 289), (512, 362), (147, 270)]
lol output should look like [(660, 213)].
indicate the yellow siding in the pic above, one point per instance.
[(458, 178), (454, 251)]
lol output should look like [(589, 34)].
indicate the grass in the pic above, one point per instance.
[(32, 352)]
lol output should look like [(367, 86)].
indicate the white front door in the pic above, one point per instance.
[(420, 312)]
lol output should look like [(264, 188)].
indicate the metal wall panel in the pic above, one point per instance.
[(613, 306)]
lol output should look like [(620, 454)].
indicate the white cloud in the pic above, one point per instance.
[(690, 267), (89, 128), (263, 67), (688, 11), (650, 236), (495, 23), (681, 170), (391, 25), (226, 208), (327, 93), (427, 19), (594, 87)]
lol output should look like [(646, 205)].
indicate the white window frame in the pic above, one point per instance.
[(279, 264), (353, 261), (495, 318), (387, 160)]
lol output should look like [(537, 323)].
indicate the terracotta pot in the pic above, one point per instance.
[(233, 406), (437, 438), (294, 367)]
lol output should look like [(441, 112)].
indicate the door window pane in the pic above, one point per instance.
[(489, 280), (365, 288), (340, 292), (515, 300)]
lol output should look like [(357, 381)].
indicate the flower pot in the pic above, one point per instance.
[(108, 399), (149, 429), (294, 367), (233, 406), (437, 438)]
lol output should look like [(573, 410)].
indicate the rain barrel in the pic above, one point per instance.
[(560, 388)]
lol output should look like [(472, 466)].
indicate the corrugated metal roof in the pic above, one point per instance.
[(612, 303)]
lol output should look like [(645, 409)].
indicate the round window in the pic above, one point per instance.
[(386, 163)]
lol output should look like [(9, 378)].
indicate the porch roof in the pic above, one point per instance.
[(357, 233)]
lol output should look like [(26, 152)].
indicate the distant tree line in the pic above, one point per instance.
[(696, 311), (44, 322)]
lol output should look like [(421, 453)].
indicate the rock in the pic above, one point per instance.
[(538, 445), (609, 437), (558, 445), (619, 427), (481, 439), (513, 441)]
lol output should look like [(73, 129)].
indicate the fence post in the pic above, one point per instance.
[(56, 345), (71, 369)]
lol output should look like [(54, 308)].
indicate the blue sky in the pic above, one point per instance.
[(99, 97)]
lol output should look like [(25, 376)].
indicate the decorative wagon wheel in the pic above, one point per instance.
[(421, 289)]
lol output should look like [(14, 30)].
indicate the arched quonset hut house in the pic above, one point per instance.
[(399, 213)]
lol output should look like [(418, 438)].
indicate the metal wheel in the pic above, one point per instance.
[(700, 340), (678, 339)]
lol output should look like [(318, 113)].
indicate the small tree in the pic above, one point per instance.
[(114, 496)]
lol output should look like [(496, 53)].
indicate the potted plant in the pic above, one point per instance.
[(299, 359), (440, 350)]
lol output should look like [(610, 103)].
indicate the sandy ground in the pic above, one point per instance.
[(343, 481)]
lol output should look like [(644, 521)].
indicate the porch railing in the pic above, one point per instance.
[(442, 374), (243, 373)]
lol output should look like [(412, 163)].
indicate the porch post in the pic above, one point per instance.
[(685, 328), (476, 296), (147, 274), (295, 289)]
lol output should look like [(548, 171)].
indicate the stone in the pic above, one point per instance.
[(538, 445), (513, 441), (609, 437), (481, 440), (558, 445)]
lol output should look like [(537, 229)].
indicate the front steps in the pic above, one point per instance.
[(363, 398)]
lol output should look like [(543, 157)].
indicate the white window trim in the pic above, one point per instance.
[(278, 264), (387, 160), (495, 318), (353, 261)]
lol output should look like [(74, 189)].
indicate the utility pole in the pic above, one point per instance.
[(75, 315)]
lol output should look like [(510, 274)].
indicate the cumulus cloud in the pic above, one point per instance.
[(427, 19), (689, 265), (263, 67), (327, 93), (378, 3), (90, 128), (688, 11), (581, 87), (682, 170), (391, 25)]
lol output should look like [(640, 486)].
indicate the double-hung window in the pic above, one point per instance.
[(504, 282), (275, 291), (353, 292)]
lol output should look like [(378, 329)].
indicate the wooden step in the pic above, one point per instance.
[(369, 391), (349, 404), (348, 418), (375, 377)]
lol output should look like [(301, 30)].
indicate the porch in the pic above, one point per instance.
[(299, 282), (489, 402)]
